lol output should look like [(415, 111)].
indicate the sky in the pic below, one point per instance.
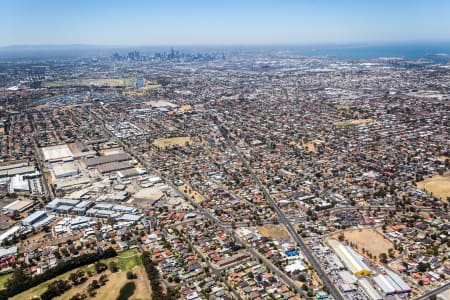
[(221, 22)]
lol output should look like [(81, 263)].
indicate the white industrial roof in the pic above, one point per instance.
[(370, 291), (64, 169), (57, 152), (351, 259)]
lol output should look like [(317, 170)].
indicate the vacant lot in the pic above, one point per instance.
[(438, 185), (273, 231), (176, 141), (353, 122), (369, 239), (185, 107), (190, 193)]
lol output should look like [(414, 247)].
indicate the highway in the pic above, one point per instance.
[(282, 218)]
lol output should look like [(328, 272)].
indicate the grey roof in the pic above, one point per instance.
[(92, 162)]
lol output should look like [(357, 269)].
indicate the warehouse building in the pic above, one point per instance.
[(19, 184), (37, 219), (347, 277), (22, 170), (56, 203), (369, 290), (129, 218), (8, 234), (352, 260), (81, 207), (113, 167), (96, 161), (391, 284), (64, 170), (127, 173), (57, 153), (18, 206)]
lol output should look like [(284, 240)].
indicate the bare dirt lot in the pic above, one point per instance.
[(438, 185), (369, 239), (190, 193), (273, 231)]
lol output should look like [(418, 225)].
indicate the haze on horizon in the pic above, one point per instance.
[(231, 22)]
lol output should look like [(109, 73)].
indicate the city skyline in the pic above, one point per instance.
[(107, 23)]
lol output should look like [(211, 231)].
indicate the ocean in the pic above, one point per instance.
[(437, 52)]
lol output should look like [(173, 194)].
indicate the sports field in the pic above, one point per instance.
[(349, 123), (438, 185)]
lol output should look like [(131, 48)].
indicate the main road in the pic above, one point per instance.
[(282, 218), (434, 292)]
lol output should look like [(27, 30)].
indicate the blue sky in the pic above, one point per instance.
[(221, 22)]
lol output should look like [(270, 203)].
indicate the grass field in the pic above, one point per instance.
[(349, 123), (273, 231), (368, 239), (126, 261), (342, 107), (438, 185), (3, 279), (176, 141)]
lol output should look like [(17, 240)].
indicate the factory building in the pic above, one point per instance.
[(352, 260)]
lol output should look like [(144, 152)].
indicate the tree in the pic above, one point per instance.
[(131, 275), (100, 267), (423, 267), (79, 296), (103, 279), (95, 284), (56, 288), (391, 253), (383, 258), (113, 267)]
